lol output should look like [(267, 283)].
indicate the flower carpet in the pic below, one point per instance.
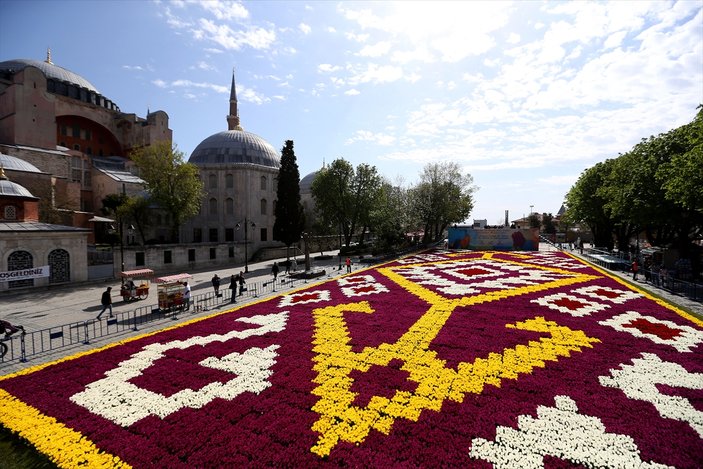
[(459, 359)]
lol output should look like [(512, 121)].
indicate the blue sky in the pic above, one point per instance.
[(523, 95)]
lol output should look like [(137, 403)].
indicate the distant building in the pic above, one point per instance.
[(60, 123), (239, 171), (36, 254)]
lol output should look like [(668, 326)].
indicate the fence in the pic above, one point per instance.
[(23, 347)]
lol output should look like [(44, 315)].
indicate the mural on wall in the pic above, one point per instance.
[(503, 239)]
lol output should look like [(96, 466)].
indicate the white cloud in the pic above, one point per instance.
[(160, 83), (204, 85), (133, 67), (376, 74), (225, 9), (352, 92), (304, 28), (328, 68), (374, 137), (375, 50), (513, 38), (254, 37)]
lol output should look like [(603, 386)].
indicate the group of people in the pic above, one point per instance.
[(235, 281)]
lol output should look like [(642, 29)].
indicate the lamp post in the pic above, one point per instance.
[(340, 245), (246, 241)]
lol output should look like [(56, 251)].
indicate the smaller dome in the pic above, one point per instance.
[(306, 182), (12, 189), (16, 164)]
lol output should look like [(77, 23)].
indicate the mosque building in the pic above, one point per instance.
[(239, 172)]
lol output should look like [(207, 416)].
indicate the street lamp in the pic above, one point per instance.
[(246, 241)]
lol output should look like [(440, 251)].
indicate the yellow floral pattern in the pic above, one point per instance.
[(340, 420)]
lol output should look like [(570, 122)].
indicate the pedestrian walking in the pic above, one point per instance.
[(242, 288), (186, 296), (274, 270), (216, 284), (349, 264), (294, 264), (287, 266), (106, 301), (635, 269), (233, 288)]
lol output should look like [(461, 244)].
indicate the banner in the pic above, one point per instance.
[(502, 239), (24, 274)]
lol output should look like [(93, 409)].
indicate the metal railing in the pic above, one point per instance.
[(33, 343)]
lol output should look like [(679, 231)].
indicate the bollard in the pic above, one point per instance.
[(134, 320), (255, 295)]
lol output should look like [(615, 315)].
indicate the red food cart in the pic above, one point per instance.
[(135, 284), (170, 290)]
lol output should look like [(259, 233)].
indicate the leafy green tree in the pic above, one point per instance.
[(289, 212), (344, 197), (584, 205), (442, 197), (391, 215), (173, 184), (548, 225), (137, 210)]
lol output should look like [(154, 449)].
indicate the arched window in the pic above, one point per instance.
[(229, 181), (212, 181), (263, 206), (10, 212), (59, 266), (213, 206), (20, 260), (229, 206), (263, 183)]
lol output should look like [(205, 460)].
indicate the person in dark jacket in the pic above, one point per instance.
[(106, 301)]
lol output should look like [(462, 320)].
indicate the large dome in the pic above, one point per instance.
[(12, 189), (306, 183), (49, 69), (235, 147)]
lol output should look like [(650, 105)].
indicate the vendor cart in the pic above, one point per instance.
[(170, 290), (135, 284)]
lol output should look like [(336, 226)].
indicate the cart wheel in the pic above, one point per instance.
[(142, 297)]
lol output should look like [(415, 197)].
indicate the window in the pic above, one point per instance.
[(139, 259), (59, 266), (20, 260), (191, 255), (263, 183), (229, 181), (230, 252), (10, 212), (168, 257), (263, 206), (213, 253), (213, 206), (212, 181), (64, 131), (197, 235), (76, 131), (213, 235), (229, 234), (76, 147), (76, 169), (229, 206), (264, 234)]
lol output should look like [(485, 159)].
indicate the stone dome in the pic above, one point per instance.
[(49, 69), (235, 147), (306, 182), (16, 164)]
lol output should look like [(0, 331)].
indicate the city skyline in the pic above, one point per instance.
[(523, 95)]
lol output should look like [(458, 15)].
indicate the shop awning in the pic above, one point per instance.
[(102, 220), (137, 273), (173, 278)]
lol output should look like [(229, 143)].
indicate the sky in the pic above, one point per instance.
[(523, 95)]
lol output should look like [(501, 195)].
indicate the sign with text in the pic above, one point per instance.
[(25, 274)]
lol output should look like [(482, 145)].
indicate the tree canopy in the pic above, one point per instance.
[(654, 189), (344, 197), (289, 212), (173, 184), (443, 196)]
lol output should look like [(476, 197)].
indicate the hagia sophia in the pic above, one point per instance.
[(64, 147)]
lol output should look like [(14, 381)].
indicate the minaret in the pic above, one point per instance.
[(48, 56), (233, 117)]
